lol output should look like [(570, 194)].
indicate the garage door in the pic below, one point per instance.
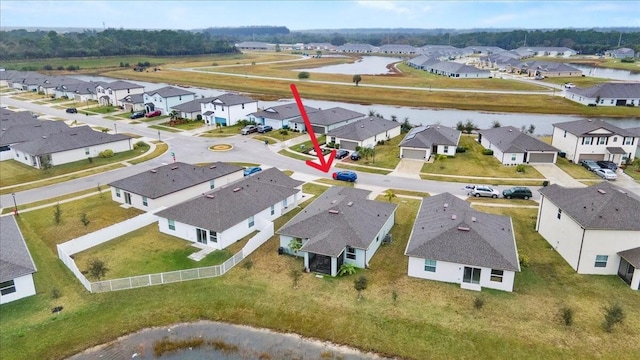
[(596, 157), (318, 129), (276, 124), (414, 154), (348, 145), (541, 157)]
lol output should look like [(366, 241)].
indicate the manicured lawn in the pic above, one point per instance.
[(308, 144), (56, 199), (332, 182), (314, 189), (243, 164), (576, 171), (102, 109), (262, 139), (409, 193), (222, 131), (165, 128), (343, 165), (386, 156), (160, 149), (295, 155), (633, 171), (488, 201), (484, 181), (189, 125)]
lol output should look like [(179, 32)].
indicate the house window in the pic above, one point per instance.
[(513, 157), (212, 184), (602, 141), (242, 106), (86, 151), (222, 107), (430, 265), (587, 140), (615, 139), (117, 192), (251, 221), (601, 101), (110, 92), (273, 209), (128, 91), (601, 260), (446, 149), (496, 275), (628, 141), (611, 101), (333, 139), (351, 253), (559, 213), (145, 201), (565, 133), (172, 224), (213, 236), (180, 97), (7, 287)]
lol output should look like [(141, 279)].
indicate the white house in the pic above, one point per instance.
[(323, 121), (228, 109), (16, 277), (225, 215), (25, 130), (595, 229), (79, 92), (512, 147), (364, 133), (455, 70), (191, 109), (559, 51), (606, 94), (423, 141), (111, 93), (133, 102), (594, 140), (340, 226), (75, 144), (453, 243), (166, 98), (620, 53), (279, 116), (170, 184)]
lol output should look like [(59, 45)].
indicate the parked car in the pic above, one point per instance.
[(72, 110), (355, 156), (469, 188), (517, 192), (264, 128), (569, 85), (137, 115), (153, 113), (248, 129), (341, 154), (484, 191), (606, 174), (345, 176), (607, 165), (252, 170), (590, 165)]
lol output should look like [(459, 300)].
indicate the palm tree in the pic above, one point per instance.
[(389, 195), (357, 78)]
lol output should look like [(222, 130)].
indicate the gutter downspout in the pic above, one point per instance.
[(580, 252)]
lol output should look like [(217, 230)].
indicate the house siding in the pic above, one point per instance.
[(231, 114), (375, 245), (165, 104), (24, 287), (68, 156), (572, 145), (606, 242)]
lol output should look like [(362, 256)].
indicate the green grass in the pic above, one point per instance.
[(160, 149), (409, 192), (295, 155), (189, 125), (223, 131), (243, 164), (336, 182), (102, 109), (308, 144), (262, 138), (104, 189), (514, 202), (632, 171), (165, 128), (314, 189), (343, 165), (576, 171), (480, 180)]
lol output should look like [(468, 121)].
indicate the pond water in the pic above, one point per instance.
[(613, 74), (367, 65)]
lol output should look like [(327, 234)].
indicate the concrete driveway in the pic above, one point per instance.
[(557, 176), (408, 168)]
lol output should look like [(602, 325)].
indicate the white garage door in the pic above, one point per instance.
[(541, 157), (414, 154), (275, 124), (596, 157), (348, 145)]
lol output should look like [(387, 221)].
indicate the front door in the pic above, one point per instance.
[(201, 236), (127, 198), (471, 275), (625, 271)]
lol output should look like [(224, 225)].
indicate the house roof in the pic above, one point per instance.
[(133, 99), (510, 139), (253, 44), (84, 87), (330, 116), (635, 131), (625, 90), (585, 127), (281, 112), (456, 68), (423, 61), (397, 48), (364, 129), (10, 118), (427, 136), (15, 259), (226, 206), (357, 47), (448, 229), (173, 177), (29, 131), (169, 91), (602, 206), (122, 85), (192, 106), (549, 66), (231, 99), (632, 256), (73, 138), (338, 218)]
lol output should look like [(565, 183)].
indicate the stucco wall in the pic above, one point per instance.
[(24, 287)]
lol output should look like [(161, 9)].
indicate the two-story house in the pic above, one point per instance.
[(166, 98), (279, 116), (323, 121), (227, 109), (112, 93)]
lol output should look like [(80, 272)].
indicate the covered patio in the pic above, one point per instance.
[(629, 268)]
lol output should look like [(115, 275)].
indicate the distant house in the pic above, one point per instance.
[(595, 229), (423, 141), (422, 62), (340, 226), (594, 140), (620, 53), (512, 147), (7, 75), (456, 70), (79, 92), (320, 46), (225, 215), (227, 109), (49, 85), (78, 143), (165, 98), (364, 133), (558, 51), (357, 48), (606, 94), (549, 69), (254, 45), (133, 102), (400, 49), (636, 131), (111, 93), (323, 121), (453, 243), (483, 50), (16, 264), (191, 109), (279, 116), (170, 184)]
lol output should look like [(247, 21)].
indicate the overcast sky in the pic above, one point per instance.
[(301, 15)]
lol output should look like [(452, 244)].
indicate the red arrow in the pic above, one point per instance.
[(324, 165)]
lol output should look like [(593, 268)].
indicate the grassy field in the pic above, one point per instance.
[(222, 131)]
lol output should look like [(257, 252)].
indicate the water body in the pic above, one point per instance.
[(368, 65), (613, 74)]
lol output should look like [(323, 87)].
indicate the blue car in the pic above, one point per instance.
[(252, 170), (345, 176)]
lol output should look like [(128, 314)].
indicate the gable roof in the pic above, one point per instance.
[(340, 217), (192, 106), (169, 91), (627, 90), (231, 99), (83, 87), (121, 85), (172, 177), (585, 127), (448, 229), (330, 116), (133, 99), (31, 131), (549, 66), (15, 259), (364, 129), (455, 68), (224, 207), (602, 206), (510, 139), (73, 138), (632, 256), (427, 136), (281, 112), (10, 118)]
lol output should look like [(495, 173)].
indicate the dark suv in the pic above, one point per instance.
[(72, 110), (341, 154), (517, 192), (607, 165)]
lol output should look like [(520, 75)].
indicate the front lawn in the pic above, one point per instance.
[(223, 131), (633, 171), (188, 125), (102, 109), (576, 171)]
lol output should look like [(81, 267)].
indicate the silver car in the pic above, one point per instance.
[(606, 174), (484, 191)]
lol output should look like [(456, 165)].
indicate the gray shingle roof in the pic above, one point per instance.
[(397, 48), (632, 256), (330, 116), (15, 259), (427, 136), (169, 91), (31, 131), (173, 177), (281, 112), (364, 129), (550, 66), (192, 106), (231, 99), (630, 90), (635, 131), (456, 68), (602, 206), (445, 230), (9, 118), (121, 85), (584, 127), (511, 139), (355, 225), (228, 207), (133, 99), (84, 87), (74, 138)]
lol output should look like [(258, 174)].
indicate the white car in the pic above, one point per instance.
[(569, 85), (606, 174), (484, 191)]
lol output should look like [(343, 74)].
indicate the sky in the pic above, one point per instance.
[(328, 14)]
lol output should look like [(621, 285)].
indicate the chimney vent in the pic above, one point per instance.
[(462, 228), (210, 196), (334, 211), (173, 168), (473, 218), (212, 167), (350, 203), (601, 191), (153, 171), (454, 216), (237, 189)]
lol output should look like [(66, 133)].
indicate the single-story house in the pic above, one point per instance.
[(340, 226), (279, 116), (191, 109), (548, 51), (26, 130), (512, 147), (221, 217), (620, 53), (423, 141), (456, 70), (254, 45), (111, 93), (595, 229), (323, 121), (7, 75), (26, 81), (227, 109), (549, 69), (79, 92), (170, 184), (357, 48), (16, 264), (397, 49), (606, 94), (364, 133), (453, 243), (133, 102), (594, 140), (422, 62), (75, 144), (49, 85), (166, 98)]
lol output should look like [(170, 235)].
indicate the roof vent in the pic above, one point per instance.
[(362, 125), (153, 171), (462, 228), (473, 218), (212, 167), (446, 205), (351, 203), (237, 189), (454, 216), (601, 191), (334, 211), (333, 201), (510, 130), (210, 196), (173, 168), (44, 137)]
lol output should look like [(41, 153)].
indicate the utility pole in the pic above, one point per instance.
[(620, 39)]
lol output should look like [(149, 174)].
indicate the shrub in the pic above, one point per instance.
[(48, 67), (478, 303), (613, 314), (60, 68), (245, 122), (106, 153), (520, 168), (566, 314), (284, 132), (487, 152), (139, 144), (303, 75), (346, 269), (380, 142), (461, 149), (592, 105), (524, 260), (627, 60), (55, 293)]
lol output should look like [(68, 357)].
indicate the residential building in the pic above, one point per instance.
[(82, 91), (166, 98), (133, 102), (111, 93), (512, 147), (549, 69), (191, 109), (364, 133), (324, 120), (559, 51), (606, 94), (16, 265), (456, 70), (357, 48), (620, 53), (227, 109), (254, 45), (26, 130), (279, 116), (423, 141), (400, 49)]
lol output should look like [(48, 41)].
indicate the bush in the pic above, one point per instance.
[(524, 260), (303, 75), (139, 144), (331, 145), (613, 314), (520, 168), (380, 142), (592, 105), (106, 153), (245, 122), (478, 303), (627, 60), (284, 132), (48, 67), (60, 68), (461, 149), (198, 117), (566, 314), (487, 152)]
